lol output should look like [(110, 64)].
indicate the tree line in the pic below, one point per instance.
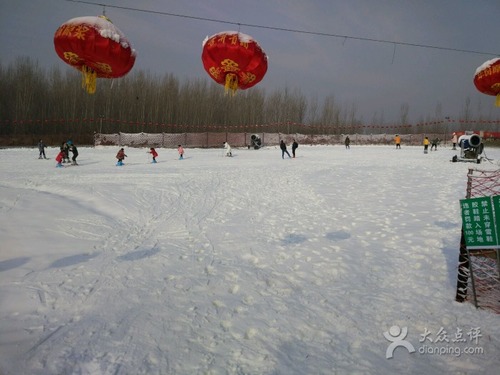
[(37, 102)]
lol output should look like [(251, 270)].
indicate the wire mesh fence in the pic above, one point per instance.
[(245, 139), (479, 269)]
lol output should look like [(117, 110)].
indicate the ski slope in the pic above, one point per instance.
[(246, 265)]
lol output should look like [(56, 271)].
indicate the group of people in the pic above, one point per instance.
[(284, 150), (434, 144), (66, 147), (63, 155), (69, 146), (295, 145), (154, 154), (426, 142), (227, 148)]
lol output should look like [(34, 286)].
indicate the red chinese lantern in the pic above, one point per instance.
[(487, 79), (234, 60), (96, 47)]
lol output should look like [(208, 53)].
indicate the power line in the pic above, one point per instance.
[(297, 31)]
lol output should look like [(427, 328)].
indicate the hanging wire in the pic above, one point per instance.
[(345, 37)]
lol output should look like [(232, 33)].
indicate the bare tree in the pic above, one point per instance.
[(466, 111), (403, 115), (34, 102)]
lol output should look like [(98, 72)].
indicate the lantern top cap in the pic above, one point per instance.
[(105, 28), (243, 37), (486, 65)]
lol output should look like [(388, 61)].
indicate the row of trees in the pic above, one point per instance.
[(38, 102)]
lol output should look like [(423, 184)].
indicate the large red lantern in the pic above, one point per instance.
[(96, 47), (234, 60), (487, 79)]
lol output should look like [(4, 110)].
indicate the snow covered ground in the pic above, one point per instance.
[(244, 265)]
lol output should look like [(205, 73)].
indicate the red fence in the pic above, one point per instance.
[(114, 125)]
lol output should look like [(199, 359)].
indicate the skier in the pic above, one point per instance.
[(59, 159), (426, 144), (153, 153), (434, 143), (120, 156), (65, 149), (181, 152), (283, 149), (454, 141), (347, 142), (74, 150), (295, 145), (41, 148), (228, 149), (397, 140)]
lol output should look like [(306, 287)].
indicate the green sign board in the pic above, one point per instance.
[(480, 224), (496, 208)]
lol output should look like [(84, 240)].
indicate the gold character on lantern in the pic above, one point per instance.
[(229, 65)]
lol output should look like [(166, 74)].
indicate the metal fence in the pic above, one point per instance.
[(479, 269), (216, 139)]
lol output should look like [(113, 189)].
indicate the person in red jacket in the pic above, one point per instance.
[(59, 158), (153, 153), (120, 156)]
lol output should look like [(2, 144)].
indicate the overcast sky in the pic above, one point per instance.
[(377, 77)]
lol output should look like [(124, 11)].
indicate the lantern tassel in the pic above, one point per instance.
[(497, 101), (89, 78), (231, 84)]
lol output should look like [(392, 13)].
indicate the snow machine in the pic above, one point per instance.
[(471, 147), (255, 142)]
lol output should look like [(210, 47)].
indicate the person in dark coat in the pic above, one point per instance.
[(434, 143), (294, 147), (347, 142), (41, 148), (74, 150), (283, 149), (65, 149)]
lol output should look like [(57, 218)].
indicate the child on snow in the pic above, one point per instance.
[(434, 144), (65, 149), (426, 144), (228, 149), (41, 148), (397, 141), (454, 141), (74, 150), (60, 158), (153, 153), (120, 156), (181, 152), (347, 142)]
